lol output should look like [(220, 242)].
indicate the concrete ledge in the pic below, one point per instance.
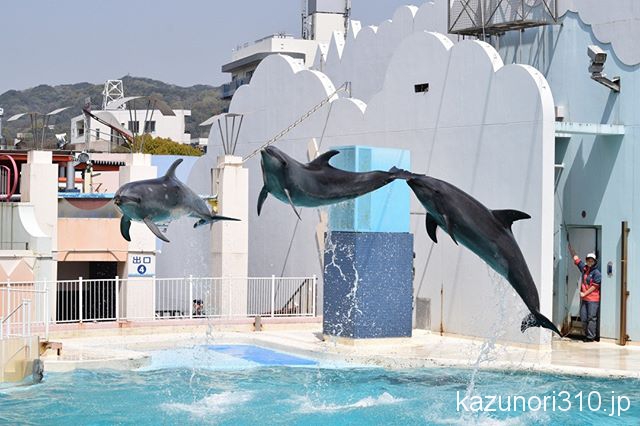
[(423, 350), (566, 129), (123, 328), (348, 341)]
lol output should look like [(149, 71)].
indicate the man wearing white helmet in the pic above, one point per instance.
[(589, 293)]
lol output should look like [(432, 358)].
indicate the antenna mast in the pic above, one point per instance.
[(113, 90)]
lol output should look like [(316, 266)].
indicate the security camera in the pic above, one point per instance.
[(597, 55), (598, 58)]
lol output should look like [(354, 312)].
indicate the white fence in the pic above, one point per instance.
[(155, 299), (23, 307)]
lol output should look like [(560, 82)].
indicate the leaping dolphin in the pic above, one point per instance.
[(485, 232), (160, 200), (317, 183)]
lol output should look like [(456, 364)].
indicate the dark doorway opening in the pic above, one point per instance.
[(93, 299)]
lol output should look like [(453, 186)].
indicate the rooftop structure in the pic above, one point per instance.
[(320, 19), (481, 18)]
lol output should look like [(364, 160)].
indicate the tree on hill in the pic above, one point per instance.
[(160, 146)]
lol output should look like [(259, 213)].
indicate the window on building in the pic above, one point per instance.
[(115, 137), (80, 127), (134, 126), (421, 88), (149, 126), (97, 134)]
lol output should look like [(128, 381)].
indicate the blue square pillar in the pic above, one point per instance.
[(368, 276), (368, 285)]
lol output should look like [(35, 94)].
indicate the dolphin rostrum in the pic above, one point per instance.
[(485, 232), (317, 183), (160, 200)]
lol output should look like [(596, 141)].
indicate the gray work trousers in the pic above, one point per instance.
[(589, 316)]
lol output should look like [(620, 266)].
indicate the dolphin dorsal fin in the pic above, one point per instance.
[(171, 172), (507, 217), (323, 159)]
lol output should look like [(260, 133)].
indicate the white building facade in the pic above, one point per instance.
[(102, 138)]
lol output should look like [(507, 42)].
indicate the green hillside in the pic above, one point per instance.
[(203, 101)]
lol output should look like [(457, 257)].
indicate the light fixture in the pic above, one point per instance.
[(61, 139), (598, 58)]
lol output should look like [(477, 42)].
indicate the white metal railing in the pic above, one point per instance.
[(23, 307), (134, 299), (23, 310)]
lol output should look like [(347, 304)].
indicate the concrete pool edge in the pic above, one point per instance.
[(423, 351)]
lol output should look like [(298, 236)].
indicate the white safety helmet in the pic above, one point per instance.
[(592, 256)]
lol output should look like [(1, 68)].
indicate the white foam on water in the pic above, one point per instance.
[(436, 417), (309, 406), (218, 403)]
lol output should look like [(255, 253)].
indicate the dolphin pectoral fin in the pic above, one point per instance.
[(125, 226), (450, 229), (262, 198), (154, 228), (432, 226), (286, 191), (507, 217)]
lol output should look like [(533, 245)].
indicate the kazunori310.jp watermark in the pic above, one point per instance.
[(606, 402)]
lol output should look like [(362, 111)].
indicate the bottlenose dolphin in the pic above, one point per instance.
[(485, 232), (317, 183), (160, 200)]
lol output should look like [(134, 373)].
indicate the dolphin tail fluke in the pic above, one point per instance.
[(213, 218), (538, 320), (401, 174)]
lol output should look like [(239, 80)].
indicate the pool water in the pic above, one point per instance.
[(245, 385)]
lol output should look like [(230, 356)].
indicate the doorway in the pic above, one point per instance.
[(584, 239), (96, 301)]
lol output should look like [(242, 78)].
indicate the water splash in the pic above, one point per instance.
[(307, 405), (488, 352), (219, 403), (347, 252)]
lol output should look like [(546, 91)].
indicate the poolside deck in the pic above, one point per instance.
[(128, 350)]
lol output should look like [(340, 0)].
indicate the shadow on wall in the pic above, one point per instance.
[(590, 180)]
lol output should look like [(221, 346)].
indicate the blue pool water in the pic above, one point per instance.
[(245, 385)]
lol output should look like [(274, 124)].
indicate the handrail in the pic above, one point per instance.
[(345, 86), (296, 293), (24, 305), (3, 319)]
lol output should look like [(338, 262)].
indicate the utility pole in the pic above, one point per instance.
[(3, 145)]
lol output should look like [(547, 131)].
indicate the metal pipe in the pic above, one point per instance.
[(624, 293), (80, 299), (71, 176)]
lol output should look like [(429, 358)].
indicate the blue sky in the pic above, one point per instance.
[(180, 42)]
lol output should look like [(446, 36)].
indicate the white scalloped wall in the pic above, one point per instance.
[(363, 57), (612, 21), (469, 129)]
